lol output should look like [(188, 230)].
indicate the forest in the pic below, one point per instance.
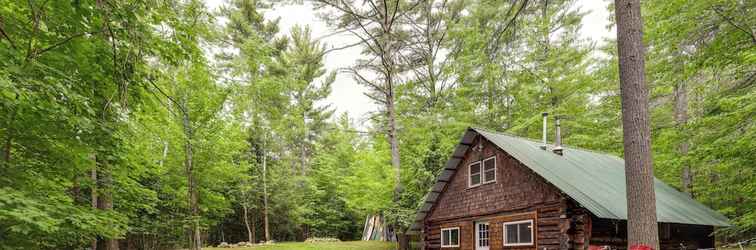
[(166, 124)]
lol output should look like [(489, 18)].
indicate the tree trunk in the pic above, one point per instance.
[(265, 194), (165, 154), (93, 175), (394, 141), (246, 223), (389, 67), (254, 231), (388, 63), (303, 145), (195, 238), (641, 200), (303, 158), (9, 137), (681, 120), (106, 199), (403, 240)]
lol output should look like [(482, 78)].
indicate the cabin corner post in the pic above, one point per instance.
[(564, 226), (587, 228)]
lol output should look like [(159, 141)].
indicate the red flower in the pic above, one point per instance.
[(640, 247)]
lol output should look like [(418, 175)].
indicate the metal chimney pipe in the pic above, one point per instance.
[(545, 119), (558, 140)]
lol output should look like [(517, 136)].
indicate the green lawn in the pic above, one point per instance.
[(347, 245)]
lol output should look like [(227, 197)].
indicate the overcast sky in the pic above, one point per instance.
[(346, 95)]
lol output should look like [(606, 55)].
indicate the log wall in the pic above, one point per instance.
[(613, 233)]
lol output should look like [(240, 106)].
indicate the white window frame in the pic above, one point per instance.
[(459, 236), (532, 233), (483, 179), (469, 174), (477, 234)]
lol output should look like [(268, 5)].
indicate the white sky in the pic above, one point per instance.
[(347, 95)]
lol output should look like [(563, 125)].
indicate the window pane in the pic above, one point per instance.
[(490, 164), (490, 175), (482, 235), (475, 179), (454, 237), (525, 232), (444, 237), (475, 168), (511, 234)]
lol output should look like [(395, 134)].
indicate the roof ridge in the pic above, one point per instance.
[(537, 141)]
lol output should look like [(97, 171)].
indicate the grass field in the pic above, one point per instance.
[(347, 245)]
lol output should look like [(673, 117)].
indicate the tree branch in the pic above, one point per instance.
[(511, 22), (181, 108), (731, 22), (59, 43), (342, 47), (2, 32)]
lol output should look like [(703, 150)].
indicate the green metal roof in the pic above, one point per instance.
[(595, 180)]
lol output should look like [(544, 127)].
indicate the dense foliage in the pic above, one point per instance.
[(151, 124)]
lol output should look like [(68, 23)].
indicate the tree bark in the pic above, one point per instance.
[(641, 200), (303, 144), (93, 175), (394, 141), (193, 195), (246, 223), (681, 120), (265, 193), (403, 240), (106, 198), (165, 154)]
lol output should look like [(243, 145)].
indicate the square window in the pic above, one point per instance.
[(475, 168), (489, 170), (450, 237), (475, 175), (524, 233), (511, 233), (475, 180), (518, 233)]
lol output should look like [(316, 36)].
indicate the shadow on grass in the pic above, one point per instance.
[(346, 245)]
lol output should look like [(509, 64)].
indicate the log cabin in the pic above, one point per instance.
[(499, 191)]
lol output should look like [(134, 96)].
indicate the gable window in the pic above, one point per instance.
[(450, 237), (489, 170), (482, 172), (475, 174), (518, 233)]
